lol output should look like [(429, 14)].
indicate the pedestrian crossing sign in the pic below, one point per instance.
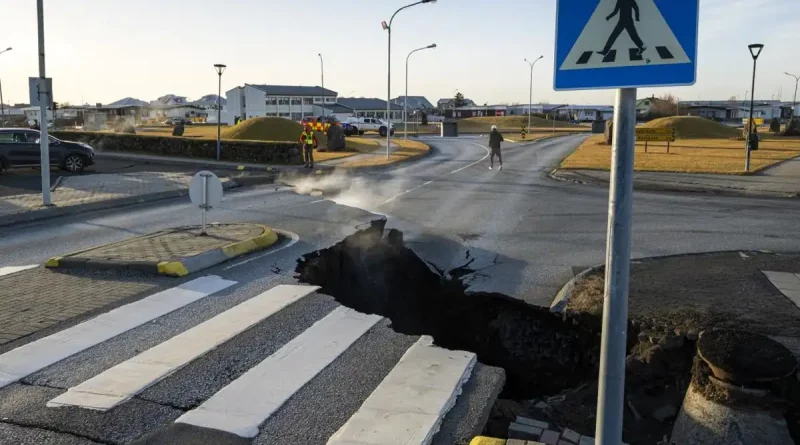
[(625, 43)]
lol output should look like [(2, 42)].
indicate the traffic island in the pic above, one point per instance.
[(173, 252)]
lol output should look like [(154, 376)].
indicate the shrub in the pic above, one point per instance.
[(775, 125)]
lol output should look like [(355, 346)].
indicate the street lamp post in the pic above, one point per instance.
[(322, 74), (755, 51), (530, 92), (2, 107), (45, 99), (220, 68), (388, 28), (794, 101), (405, 102)]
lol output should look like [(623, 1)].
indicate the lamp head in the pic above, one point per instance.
[(220, 68), (432, 46), (755, 50)]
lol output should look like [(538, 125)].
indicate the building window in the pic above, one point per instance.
[(317, 100), (297, 101), (272, 101), (271, 114), (308, 101), (286, 115), (329, 100), (283, 101), (297, 116)]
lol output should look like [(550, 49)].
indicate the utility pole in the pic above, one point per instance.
[(2, 106), (794, 101), (322, 74), (44, 100)]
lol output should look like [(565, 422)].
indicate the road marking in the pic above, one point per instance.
[(120, 383), (404, 193), (410, 403), (32, 357), (787, 283), (248, 401), (476, 162), (8, 270), (294, 239)]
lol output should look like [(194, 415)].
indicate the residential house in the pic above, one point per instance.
[(476, 111), (650, 105), (445, 104), (287, 101), (128, 108), (371, 107), (734, 112), (547, 109), (209, 104), (414, 103), (169, 100)]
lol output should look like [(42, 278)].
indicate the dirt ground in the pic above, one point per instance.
[(696, 292)]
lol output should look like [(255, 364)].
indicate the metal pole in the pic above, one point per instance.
[(2, 107), (219, 119), (205, 203), (322, 74), (405, 102), (44, 139), (530, 100), (611, 391), (750, 121), (389, 92)]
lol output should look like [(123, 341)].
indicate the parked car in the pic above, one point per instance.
[(19, 147), (362, 124)]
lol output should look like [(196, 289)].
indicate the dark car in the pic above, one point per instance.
[(19, 147)]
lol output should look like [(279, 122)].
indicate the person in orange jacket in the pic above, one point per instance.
[(309, 141)]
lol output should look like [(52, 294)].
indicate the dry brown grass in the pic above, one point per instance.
[(588, 297), (693, 127), (404, 151), (721, 156)]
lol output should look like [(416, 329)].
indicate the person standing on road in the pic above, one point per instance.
[(495, 139), (309, 141)]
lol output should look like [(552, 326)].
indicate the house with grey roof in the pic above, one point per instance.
[(286, 101), (414, 102)]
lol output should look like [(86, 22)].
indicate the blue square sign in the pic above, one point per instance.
[(625, 43)]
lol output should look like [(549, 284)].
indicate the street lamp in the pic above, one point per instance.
[(405, 102), (220, 68), (322, 73), (530, 92), (388, 28), (794, 101), (2, 107), (755, 51)]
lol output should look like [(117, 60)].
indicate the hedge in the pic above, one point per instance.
[(235, 151)]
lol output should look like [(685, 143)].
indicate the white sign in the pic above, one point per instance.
[(40, 91), (625, 33), (205, 180)]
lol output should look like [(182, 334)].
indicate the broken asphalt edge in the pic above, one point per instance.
[(56, 212), (567, 175), (177, 268)]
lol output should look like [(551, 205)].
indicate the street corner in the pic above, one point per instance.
[(174, 252)]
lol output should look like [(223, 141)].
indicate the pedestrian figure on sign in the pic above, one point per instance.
[(309, 141), (626, 9), (495, 139)]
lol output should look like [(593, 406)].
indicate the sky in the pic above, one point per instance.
[(99, 51)]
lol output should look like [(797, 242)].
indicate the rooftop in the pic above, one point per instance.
[(361, 103), (292, 90)]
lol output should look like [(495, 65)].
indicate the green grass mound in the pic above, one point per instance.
[(268, 129), (517, 122), (693, 127)]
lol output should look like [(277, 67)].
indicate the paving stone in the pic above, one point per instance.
[(550, 437), (517, 442), (532, 422), (586, 440), (521, 431), (571, 436)]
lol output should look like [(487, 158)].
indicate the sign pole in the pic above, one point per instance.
[(611, 391), (205, 203), (45, 99)]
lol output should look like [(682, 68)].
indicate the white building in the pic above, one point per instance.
[(290, 102), (34, 113)]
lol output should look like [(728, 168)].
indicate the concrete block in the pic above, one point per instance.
[(550, 437), (532, 422), (586, 440), (521, 431)]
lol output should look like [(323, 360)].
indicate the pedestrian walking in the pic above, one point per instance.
[(495, 140), (309, 141)]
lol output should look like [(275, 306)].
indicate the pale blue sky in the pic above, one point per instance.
[(103, 50)]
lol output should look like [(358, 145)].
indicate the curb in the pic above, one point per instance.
[(178, 268), (377, 168), (205, 163), (484, 440), (561, 299), (565, 175)]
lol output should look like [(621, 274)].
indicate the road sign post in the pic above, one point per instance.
[(205, 191), (624, 44)]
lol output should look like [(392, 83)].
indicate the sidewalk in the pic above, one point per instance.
[(780, 181)]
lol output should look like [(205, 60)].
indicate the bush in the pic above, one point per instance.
[(235, 151)]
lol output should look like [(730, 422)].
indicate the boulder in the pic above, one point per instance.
[(336, 140), (792, 127), (775, 125), (178, 130)]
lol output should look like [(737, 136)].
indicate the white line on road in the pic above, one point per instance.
[(294, 239), (488, 152), (404, 193), (410, 403), (8, 270), (120, 383), (32, 357), (245, 403)]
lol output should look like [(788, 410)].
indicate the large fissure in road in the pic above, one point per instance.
[(541, 352)]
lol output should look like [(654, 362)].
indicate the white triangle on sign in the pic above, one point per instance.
[(662, 48)]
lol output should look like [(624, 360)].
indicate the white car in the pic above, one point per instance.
[(363, 124)]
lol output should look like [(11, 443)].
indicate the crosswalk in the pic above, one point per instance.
[(633, 55), (407, 406)]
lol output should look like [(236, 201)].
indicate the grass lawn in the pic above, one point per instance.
[(722, 156), (190, 131), (402, 151)]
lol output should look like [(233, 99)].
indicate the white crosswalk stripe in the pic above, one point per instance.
[(243, 405), (129, 378), (8, 270), (410, 403), (25, 360)]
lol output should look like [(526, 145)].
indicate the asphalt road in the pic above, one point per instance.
[(522, 233)]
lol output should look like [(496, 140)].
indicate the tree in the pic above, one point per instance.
[(459, 100), (666, 105)]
